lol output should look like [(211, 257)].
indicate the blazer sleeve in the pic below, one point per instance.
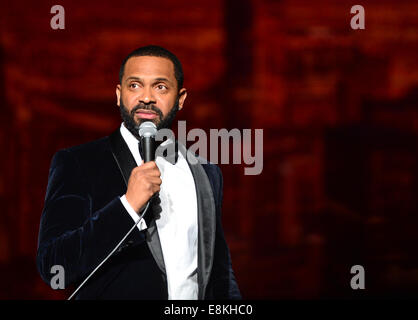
[(71, 234), (224, 282)]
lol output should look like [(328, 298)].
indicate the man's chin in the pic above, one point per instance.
[(156, 122)]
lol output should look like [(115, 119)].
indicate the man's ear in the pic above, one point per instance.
[(182, 97), (118, 95)]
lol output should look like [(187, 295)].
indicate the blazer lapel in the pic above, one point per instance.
[(126, 164), (206, 220)]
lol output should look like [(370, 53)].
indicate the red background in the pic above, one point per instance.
[(338, 108)]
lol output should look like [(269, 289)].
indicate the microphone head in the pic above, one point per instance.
[(147, 129)]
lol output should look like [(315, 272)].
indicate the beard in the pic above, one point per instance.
[(161, 122)]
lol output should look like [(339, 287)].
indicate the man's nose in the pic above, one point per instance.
[(147, 96)]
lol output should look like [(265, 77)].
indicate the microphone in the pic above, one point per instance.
[(147, 132)]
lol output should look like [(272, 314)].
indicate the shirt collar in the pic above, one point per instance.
[(132, 143)]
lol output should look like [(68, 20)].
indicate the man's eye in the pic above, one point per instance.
[(161, 87), (133, 85)]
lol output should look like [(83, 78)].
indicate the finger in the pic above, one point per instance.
[(153, 172), (148, 165), (155, 180), (156, 188)]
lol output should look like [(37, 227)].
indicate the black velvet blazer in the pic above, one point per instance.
[(83, 219)]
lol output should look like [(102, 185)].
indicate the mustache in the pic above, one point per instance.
[(151, 107)]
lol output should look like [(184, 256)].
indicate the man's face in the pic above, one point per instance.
[(148, 92)]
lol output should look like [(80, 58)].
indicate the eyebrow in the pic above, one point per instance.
[(155, 80)]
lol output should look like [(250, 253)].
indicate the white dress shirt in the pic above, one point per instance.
[(177, 223)]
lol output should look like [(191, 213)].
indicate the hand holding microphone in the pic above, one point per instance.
[(145, 179), (143, 183)]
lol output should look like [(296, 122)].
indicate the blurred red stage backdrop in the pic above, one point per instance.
[(338, 107)]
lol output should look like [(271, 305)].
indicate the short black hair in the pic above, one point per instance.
[(155, 51)]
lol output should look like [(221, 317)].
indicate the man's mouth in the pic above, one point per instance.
[(146, 114)]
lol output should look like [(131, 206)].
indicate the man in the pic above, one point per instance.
[(97, 191)]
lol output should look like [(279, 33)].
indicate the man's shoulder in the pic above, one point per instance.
[(212, 170), (90, 146), (89, 151), (214, 175)]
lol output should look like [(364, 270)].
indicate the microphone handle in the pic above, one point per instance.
[(148, 148)]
